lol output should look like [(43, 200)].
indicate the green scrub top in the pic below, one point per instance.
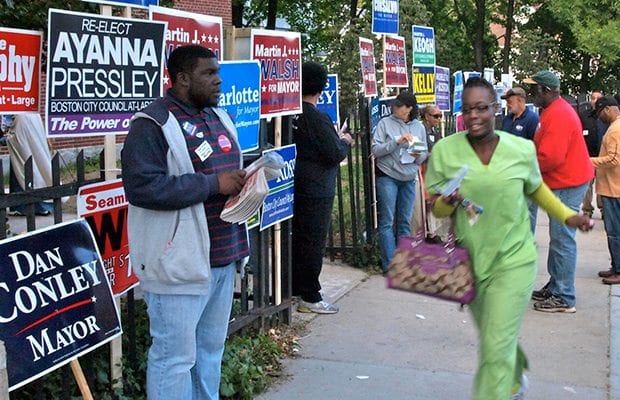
[(501, 237)]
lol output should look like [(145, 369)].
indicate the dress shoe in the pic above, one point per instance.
[(612, 280), (606, 274)]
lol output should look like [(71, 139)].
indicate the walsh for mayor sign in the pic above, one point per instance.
[(55, 301)]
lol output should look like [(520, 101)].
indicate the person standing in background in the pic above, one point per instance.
[(566, 168), (593, 131), (431, 119), (181, 161), (520, 120), (607, 166), (320, 149), (397, 161)]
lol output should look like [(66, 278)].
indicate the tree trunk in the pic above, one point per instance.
[(480, 29), (508, 36), (585, 72), (237, 13), (272, 11), (353, 12)]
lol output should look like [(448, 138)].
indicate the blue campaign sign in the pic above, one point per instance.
[(328, 100), (458, 92), (127, 3), (278, 205), (423, 45), (56, 301), (241, 99), (380, 108), (385, 17), (442, 88)]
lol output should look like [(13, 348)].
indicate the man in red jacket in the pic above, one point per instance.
[(566, 168)]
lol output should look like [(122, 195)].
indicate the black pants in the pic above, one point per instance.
[(310, 225)]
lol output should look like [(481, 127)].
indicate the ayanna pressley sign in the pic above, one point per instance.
[(55, 301), (100, 71)]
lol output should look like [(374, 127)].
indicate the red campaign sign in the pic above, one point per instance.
[(395, 62), (104, 206), (20, 66), (279, 55), (369, 75), (188, 28)]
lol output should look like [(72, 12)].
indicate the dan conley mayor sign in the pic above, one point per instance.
[(55, 301)]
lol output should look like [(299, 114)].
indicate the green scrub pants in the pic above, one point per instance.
[(498, 310)]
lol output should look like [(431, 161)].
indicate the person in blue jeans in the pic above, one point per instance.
[(399, 147), (181, 161)]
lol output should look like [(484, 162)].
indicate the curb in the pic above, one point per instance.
[(614, 342)]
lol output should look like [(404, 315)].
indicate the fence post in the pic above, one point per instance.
[(4, 378)]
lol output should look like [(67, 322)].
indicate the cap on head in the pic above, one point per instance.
[(405, 98), (545, 78), (604, 102), (515, 91)]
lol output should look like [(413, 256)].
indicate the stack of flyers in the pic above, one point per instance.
[(239, 208)]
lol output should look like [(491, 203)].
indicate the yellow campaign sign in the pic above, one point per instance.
[(424, 84)]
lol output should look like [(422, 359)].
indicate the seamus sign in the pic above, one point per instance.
[(20, 64), (100, 71), (55, 301)]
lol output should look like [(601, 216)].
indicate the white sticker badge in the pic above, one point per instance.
[(204, 150)]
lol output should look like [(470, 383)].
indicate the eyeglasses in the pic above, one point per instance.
[(479, 108), (436, 115)]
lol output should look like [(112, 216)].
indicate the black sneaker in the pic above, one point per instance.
[(554, 304), (542, 294)]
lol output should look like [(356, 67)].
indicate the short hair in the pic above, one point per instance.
[(476, 81), (427, 109), (185, 59), (313, 78)]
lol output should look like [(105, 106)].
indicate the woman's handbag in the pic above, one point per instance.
[(430, 267)]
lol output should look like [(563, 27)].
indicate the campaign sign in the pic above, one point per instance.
[(470, 74), (442, 88), (20, 66), (127, 3), (489, 75), (100, 71), (104, 206), (240, 97), (278, 205), (424, 84), (56, 302), (458, 91), (279, 55), (328, 100), (367, 59), (395, 62), (380, 108), (423, 45), (385, 17), (188, 28)]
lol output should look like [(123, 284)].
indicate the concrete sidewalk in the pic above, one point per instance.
[(387, 344)]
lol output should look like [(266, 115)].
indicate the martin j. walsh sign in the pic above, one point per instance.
[(55, 301)]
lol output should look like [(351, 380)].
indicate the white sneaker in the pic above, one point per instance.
[(525, 385), (320, 307)]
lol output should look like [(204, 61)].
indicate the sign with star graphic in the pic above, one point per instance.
[(279, 55), (56, 301), (188, 28)]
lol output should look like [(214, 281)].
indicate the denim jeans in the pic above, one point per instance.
[(611, 219), (395, 203), (188, 333), (562, 260)]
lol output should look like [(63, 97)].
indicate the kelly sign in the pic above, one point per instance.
[(104, 206), (369, 75), (424, 84), (395, 73), (240, 97), (328, 100), (100, 71), (20, 65), (188, 28), (279, 55), (56, 302)]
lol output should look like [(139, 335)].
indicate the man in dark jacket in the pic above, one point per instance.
[(320, 149), (593, 131)]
